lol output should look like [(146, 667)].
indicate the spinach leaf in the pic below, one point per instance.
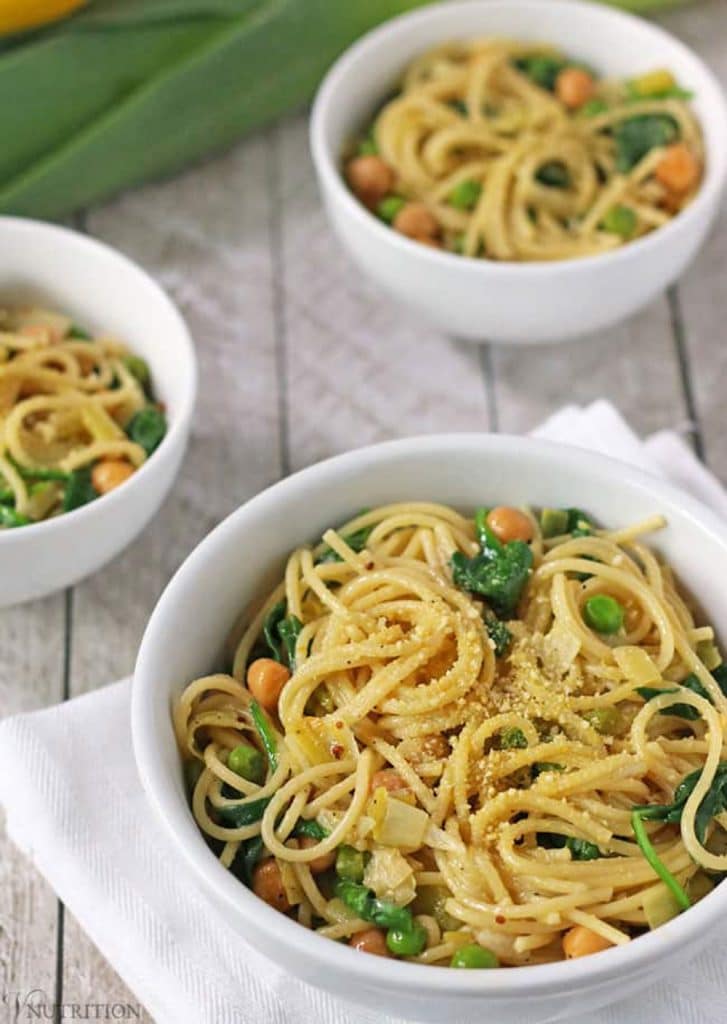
[(651, 856), (288, 631), (9, 518), (579, 524), (459, 105), (247, 858), (691, 682), (79, 334), (499, 572), (541, 69), (356, 541), (498, 633), (512, 739), (38, 473), (635, 136), (270, 628), (309, 827), (79, 489), (281, 633), (580, 849), (714, 802), (266, 734), (240, 815), (554, 174), (546, 766), (147, 427)]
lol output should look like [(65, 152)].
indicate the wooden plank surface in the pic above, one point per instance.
[(700, 305), (311, 360), (32, 658)]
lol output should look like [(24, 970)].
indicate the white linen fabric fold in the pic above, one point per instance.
[(75, 806)]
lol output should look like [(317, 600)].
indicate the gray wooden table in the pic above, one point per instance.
[(311, 361)]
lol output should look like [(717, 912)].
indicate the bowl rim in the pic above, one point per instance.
[(177, 428), (712, 185), (525, 982)]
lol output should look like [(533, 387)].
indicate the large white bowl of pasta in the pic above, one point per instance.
[(520, 171), (456, 701), (97, 388)]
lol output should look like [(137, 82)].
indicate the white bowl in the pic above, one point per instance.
[(514, 302), (104, 291), (240, 559)]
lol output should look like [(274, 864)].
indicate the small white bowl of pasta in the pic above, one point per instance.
[(544, 217), (234, 582), (97, 389)]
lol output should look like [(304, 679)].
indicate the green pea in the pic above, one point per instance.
[(603, 613), (465, 195), (407, 941), (139, 368), (247, 762), (350, 863), (606, 721), (620, 220), (474, 956), (512, 738), (389, 207)]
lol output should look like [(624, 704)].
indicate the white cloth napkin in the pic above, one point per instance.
[(75, 806)]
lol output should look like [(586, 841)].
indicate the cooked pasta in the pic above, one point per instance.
[(467, 741), (77, 415), (509, 151)]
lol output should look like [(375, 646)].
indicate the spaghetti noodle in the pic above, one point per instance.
[(77, 415), (507, 151), (467, 741)]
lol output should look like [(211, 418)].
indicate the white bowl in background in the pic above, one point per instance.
[(106, 292), (512, 302), (242, 558)]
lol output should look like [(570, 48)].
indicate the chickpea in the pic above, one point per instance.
[(415, 221), (581, 941), (265, 680), (267, 883), (389, 779), (371, 940), (509, 524), (322, 863), (370, 178), (433, 243), (678, 169), (574, 87), (109, 474), (42, 333)]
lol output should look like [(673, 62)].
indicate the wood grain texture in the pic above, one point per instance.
[(31, 676), (311, 360), (360, 368), (699, 300), (633, 364), (206, 238)]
